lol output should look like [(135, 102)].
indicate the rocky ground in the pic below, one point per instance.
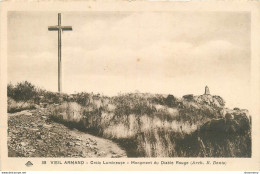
[(33, 134)]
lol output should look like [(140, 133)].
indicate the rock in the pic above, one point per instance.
[(32, 150), (23, 143), (116, 156), (210, 100), (43, 105), (47, 126), (68, 144), (240, 112), (78, 139), (15, 132), (34, 129), (37, 106), (33, 124), (219, 99), (77, 144), (61, 116), (102, 153), (26, 113), (229, 116), (39, 137)]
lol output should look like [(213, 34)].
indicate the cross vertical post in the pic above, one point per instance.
[(59, 56), (59, 28)]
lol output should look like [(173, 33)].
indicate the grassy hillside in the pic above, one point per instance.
[(152, 125)]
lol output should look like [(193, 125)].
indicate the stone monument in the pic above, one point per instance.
[(207, 91)]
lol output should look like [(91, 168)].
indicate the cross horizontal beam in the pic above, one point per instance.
[(57, 27)]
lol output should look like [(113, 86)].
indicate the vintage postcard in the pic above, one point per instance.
[(130, 85)]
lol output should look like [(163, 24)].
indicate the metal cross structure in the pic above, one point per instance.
[(59, 28)]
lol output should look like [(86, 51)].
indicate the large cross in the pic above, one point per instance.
[(59, 28)]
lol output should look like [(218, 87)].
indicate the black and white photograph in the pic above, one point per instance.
[(109, 84)]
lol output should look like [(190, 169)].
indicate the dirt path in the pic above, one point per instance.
[(32, 134)]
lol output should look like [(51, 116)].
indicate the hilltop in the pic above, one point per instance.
[(146, 125)]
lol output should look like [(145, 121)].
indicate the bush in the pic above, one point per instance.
[(170, 101), (236, 109), (188, 97), (82, 98), (10, 90), (51, 97), (14, 106), (132, 104), (219, 138), (23, 91), (158, 99)]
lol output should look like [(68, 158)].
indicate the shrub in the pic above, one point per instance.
[(14, 106), (188, 97), (236, 109), (51, 97), (158, 99), (132, 104), (10, 90), (82, 98), (219, 138), (23, 91), (170, 101)]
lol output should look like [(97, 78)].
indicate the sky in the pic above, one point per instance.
[(175, 53)]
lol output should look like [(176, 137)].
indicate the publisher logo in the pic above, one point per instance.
[(29, 164)]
